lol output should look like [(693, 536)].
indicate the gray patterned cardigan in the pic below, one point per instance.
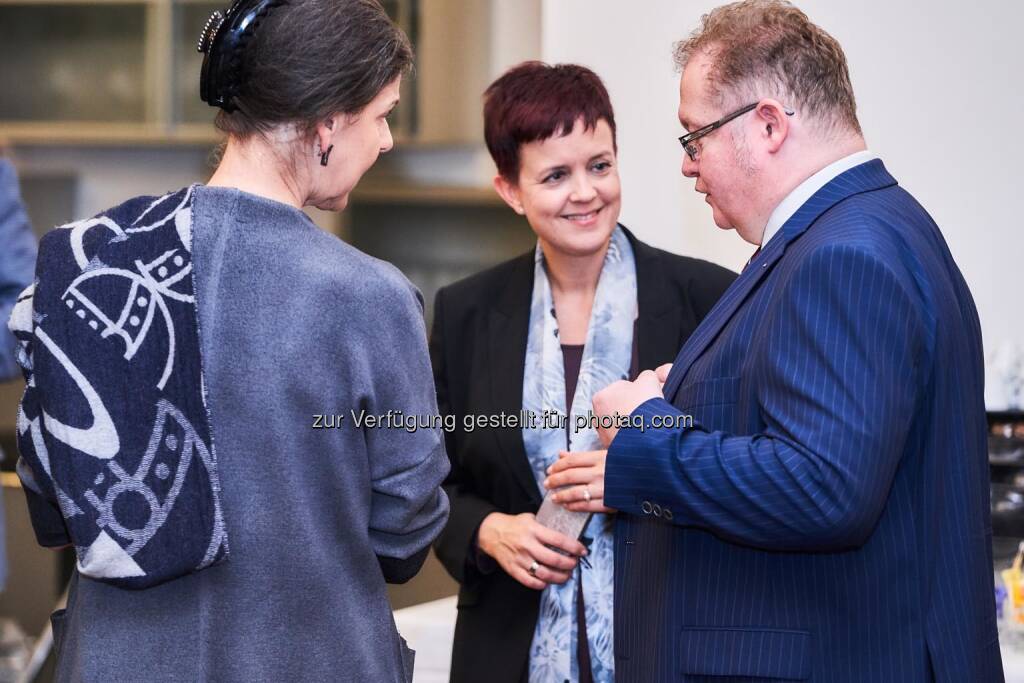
[(294, 323)]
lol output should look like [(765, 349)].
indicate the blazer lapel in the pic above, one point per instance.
[(508, 326), (507, 330), (659, 319), (863, 178)]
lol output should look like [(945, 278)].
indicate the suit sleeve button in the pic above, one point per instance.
[(657, 510), (646, 507), (667, 514)]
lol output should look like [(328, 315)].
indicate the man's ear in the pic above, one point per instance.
[(510, 193), (774, 124)]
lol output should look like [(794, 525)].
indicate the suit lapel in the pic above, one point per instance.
[(863, 178), (507, 328)]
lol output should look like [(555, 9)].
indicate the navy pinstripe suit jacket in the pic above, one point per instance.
[(827, 518)]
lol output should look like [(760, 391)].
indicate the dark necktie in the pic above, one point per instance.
[(752, 257)]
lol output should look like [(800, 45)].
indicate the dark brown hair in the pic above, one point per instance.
[(769, 48), (535, 101), (310, 59)]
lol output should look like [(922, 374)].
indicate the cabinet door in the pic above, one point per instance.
[(73, 62)]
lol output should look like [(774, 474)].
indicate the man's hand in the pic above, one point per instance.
[(662, 373), (623, 397), (583, 473)]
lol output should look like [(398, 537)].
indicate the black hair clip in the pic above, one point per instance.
[(223, 38)]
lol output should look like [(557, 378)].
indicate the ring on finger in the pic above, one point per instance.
[(586, 493), (534, 566)]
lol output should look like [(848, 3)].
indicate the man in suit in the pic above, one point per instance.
[(826, 515)]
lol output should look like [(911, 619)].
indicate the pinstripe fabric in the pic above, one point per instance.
[(829, 512)]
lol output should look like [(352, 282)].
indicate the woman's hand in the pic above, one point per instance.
[(517, 541), (578, 481)]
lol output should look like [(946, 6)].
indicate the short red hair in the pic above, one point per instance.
[(535, 101)]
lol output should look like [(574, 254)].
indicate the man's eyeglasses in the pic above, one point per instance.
[(693, 151)]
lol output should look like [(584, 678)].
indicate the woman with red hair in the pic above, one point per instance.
[(543, 333)]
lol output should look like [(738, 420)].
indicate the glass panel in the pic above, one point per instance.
[(72, 63), (189, 21)]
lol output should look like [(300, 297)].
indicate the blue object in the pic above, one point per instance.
[(17, 264), (17, 261)]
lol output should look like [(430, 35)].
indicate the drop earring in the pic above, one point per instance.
[(325, 155)]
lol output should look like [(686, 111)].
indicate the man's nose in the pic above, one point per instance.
[(690, 167)]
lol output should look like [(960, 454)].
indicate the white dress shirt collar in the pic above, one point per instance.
[(805, 190)]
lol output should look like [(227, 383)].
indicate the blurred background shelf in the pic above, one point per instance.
[(100, 62), (427, 195), (97, 63), (93, 133)]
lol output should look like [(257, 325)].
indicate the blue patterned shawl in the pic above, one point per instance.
[(607, 354), (113, 426)]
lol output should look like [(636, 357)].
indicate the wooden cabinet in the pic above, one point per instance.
[(119, 71), (65, 63)]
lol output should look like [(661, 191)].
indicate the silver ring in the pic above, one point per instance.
[(586, 493), (534, 566)]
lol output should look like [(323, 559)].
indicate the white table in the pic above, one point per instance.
[(430, 628)]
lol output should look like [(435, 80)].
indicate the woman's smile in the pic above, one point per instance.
[(583, 219)]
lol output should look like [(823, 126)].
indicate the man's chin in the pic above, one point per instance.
[(721, 221)]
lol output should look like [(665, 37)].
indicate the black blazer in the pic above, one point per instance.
[(478, 350)]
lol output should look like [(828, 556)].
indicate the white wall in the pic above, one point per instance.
[(516, 33), (939, 91)]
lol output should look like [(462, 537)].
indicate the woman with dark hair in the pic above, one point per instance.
[(195, 363), (543, 333)]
